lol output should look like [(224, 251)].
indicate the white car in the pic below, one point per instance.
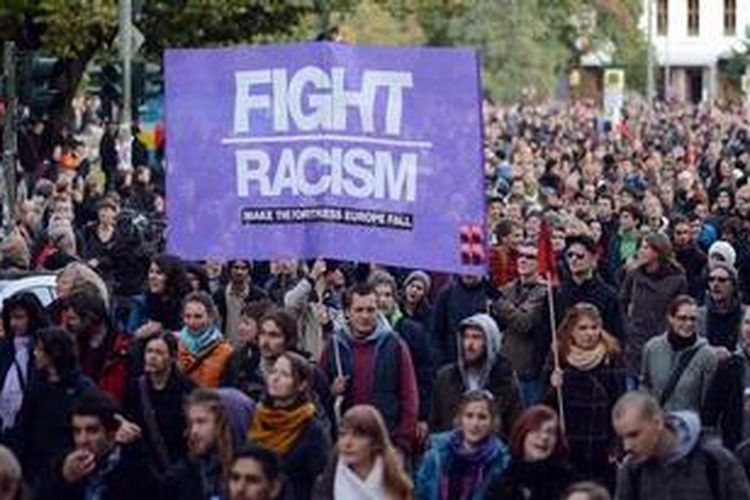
[(40, 284)]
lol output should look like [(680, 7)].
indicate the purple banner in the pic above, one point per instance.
[(321, 149)]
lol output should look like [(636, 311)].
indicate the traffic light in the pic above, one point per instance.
[(40, 83), (148, 82), (111, 82)]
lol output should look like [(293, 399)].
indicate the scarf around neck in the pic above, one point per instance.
[(466, 469), (586, 359), (347, 484), (196, 344), (279, 429)]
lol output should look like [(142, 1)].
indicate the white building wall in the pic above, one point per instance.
[(677, 50)]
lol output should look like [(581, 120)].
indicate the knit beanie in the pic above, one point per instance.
[(421, 276), (725, 251)]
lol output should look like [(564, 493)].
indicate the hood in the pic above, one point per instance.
[(32, 305), (687, 427), (493, 341), (382, 327)]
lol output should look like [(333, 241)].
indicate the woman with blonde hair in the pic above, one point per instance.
[(591, 377), (366, 465)]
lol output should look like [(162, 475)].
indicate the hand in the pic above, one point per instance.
[(422, 431), (77, 465), (147, 329), (127, 432), (321, 313), (556, 379), (318, 269), (93, 263), (722, 353), (339, 386)]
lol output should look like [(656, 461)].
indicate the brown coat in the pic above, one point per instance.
[(207, 368)]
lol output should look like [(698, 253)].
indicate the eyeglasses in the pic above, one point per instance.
[(527, 255), (718, 256), (685, 318), (718, 279), (575, 255)]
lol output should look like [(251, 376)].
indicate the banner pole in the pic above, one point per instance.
[(555, 349)]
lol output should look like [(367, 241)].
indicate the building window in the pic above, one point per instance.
[(694, 17), (662, 17), (730, 17)]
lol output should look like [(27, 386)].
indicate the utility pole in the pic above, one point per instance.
[(650, 53), (126, 53), (10, 147)]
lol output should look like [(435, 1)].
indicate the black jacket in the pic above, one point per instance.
[(45, 429), (303, 463), (418, 343), (128, 480), (596, 292), (540, 480), (694, 260), (168, 407), (193, 480)]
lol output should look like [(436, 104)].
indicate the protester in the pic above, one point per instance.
[(585, 285), (255, 474), (415, 299), (590, 377), (522, 312), (668, 458), (23, 316), (365, 465), (480, 366), (154, 402), (161, 306), (462, 463), (539, 469), (44, 418), (246, 367), (459, 299), (416, 338), (238, 291), (647, 291), (678, 366), (315, 303), (98, 466), (202, 474), (102, 352), (285, 422), (689, 255), (367, 363)]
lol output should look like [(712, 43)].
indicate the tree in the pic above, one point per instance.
[(77, 30)]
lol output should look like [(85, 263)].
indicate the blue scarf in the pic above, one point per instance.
[(197, 342)]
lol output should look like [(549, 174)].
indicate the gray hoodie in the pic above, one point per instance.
[(493, 339)]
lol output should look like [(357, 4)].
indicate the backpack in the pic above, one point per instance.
[(712, 471)]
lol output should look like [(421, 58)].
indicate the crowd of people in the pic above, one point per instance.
[(606, 352)]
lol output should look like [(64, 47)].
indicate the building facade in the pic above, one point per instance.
[(691, 38)]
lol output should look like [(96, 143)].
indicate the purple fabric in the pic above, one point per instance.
[(240, 409), (358, 153)]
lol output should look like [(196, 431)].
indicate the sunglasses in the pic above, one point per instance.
[(575, 255), (527, 255)]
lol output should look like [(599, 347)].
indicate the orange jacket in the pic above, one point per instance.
[(207, 368)]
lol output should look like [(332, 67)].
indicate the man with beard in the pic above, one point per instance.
[(209, 441), (99, 467), (480, 366)]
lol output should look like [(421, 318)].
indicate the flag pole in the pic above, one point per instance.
[(555, 348)]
